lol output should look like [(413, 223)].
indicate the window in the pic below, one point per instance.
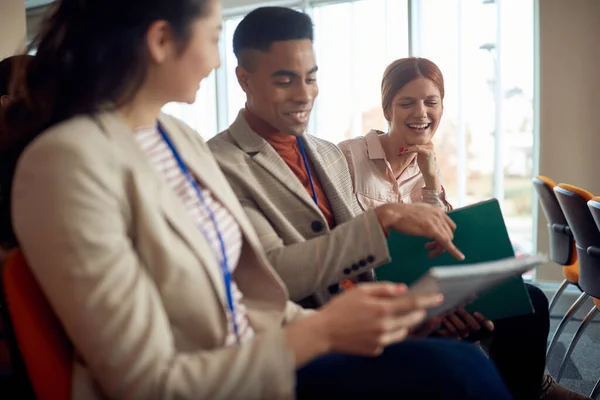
[(236, 98), (354, 43), (485, 141), (487, 62)]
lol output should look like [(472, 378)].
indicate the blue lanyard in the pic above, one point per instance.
[(310, 180), (224, 262)]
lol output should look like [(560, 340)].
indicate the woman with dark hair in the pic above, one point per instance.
[(400, 166), (144, 252), (10, 68)]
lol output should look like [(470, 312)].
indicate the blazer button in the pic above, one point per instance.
[(347, 271), (370, 259), (362, 263), (317, 226), (355, 267)]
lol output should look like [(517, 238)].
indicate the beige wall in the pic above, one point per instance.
[(569, 100), (12, 27)]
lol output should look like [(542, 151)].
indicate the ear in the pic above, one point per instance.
[(242, 77), (386, 114), (160, 41), (4, 100)]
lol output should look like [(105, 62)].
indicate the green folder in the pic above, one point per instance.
[(482, 236)]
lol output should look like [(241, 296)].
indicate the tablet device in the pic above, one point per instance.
[(460, 284)]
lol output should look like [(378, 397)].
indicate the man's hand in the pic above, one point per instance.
[(426, 328), (461, 324), (420, 219)]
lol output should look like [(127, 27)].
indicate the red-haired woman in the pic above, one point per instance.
[(400, 166)]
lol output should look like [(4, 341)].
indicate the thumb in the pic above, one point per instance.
[(383, 289)]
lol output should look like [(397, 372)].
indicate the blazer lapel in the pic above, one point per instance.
[(339, 203), (198, 160), (171, 205), (264, 155)]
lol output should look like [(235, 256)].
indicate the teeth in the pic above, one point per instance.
[(418, 126), (298, 114)]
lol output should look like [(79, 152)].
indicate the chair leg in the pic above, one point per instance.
[(574, 341), (556, 295), (563, 323), (596, 390)]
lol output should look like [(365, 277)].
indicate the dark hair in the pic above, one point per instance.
[(266, 25), (90, 55), (405, 70), (8, 68)]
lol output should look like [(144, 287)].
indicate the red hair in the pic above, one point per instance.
[(404, 70)]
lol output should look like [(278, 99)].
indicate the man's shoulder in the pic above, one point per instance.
[(320, 141), (223, 144), (324, 147), (220, 139)]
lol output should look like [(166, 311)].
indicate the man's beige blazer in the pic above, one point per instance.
[(293, 231), (131, 277)]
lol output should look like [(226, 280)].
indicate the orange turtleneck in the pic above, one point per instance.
[(287, 147)]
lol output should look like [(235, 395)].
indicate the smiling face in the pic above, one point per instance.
[(415, 112), (282, 86), (176, 73)]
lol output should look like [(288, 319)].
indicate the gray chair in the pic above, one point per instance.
[(574, 203), (594, 206), (562, 251)]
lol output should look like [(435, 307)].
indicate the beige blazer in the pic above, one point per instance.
[(131, 277), (292, 229)]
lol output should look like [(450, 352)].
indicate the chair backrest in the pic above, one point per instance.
[(573, 201), (594, 206), (562, 244), (46, 352)]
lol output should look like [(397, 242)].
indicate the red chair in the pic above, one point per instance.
[(41, 354)]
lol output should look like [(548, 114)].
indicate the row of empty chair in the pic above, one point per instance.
[(573, 216)]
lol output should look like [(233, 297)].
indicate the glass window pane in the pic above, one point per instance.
[(236, 98), (354, 43), (484, 96)]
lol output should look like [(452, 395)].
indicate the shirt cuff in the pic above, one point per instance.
[(435, 197)]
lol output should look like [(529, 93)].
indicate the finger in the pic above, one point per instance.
[(489, 325), (394, 337), (449, 246), (460, 325), (406, 149), (427, 327), (449, 326), (412, 302), (444, 221), (449, 221), (405, 321), (431, 245), (436, 252), (383, 289), (471, 322), (419, 149)]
